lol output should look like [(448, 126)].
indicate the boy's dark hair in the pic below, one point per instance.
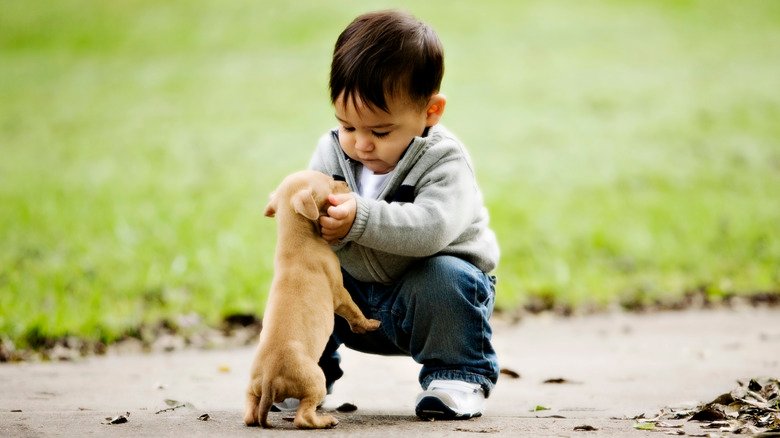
[(386, 54)]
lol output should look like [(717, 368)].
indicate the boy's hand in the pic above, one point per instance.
[(341, 215)]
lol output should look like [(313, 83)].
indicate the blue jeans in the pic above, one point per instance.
[(437, 314)]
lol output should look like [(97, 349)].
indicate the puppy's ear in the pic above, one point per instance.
[(304, 204), (270, 209)]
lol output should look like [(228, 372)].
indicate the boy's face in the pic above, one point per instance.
[(376, 138)]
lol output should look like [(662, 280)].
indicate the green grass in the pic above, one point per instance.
[(625, 148)]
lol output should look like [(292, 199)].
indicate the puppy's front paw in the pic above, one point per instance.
[(372, 325), (367, 325)]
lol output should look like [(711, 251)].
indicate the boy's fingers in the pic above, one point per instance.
[(339, 198), (337, 212), (328, 222)]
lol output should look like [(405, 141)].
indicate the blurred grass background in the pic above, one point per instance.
[(627, 149)]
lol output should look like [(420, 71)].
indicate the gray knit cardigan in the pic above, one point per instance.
[(430, 206)]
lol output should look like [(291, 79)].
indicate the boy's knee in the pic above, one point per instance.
[(441, 279)]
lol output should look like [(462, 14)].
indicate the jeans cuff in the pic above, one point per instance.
[(463, 376)]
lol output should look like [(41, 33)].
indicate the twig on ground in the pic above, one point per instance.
[(173, 408)]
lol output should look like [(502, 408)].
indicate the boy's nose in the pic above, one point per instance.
[(363, 143)]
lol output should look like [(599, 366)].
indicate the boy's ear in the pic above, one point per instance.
[(303, 203), (435, 109), (270, 209)]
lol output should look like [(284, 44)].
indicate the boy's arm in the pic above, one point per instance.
[(447, 201)]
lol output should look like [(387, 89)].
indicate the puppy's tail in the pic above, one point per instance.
[(266, 400)]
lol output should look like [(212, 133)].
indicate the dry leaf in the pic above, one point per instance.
[(751, 408), (644, 426), (119, 419), (712, 412), (346, 407), (585, 428), (558, 381), (716, 425), (667, 425)]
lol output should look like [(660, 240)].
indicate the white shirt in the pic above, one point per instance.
[(371, 184)]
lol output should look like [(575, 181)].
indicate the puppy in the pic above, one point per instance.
[(307, 289)]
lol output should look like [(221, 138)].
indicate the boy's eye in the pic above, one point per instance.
[(380, 134), (348, 129)]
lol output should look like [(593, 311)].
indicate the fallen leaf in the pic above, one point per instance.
[(510, 373), (723, 399), (119, 419), (752, 408), (668, 425), (644, 426), (716, 425), (204, 417), (558, 381), (538, 408), (585, 428), (487, 430), (223, 368), (16, 410), (346, 407), (709, 413), (679, 415)]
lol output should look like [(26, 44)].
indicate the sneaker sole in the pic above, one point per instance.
[(431, 408)]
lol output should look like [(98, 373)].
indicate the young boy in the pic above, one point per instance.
[(413, 238)]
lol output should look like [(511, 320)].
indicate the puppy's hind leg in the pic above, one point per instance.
[(346, 308), (258, 402), (312, 385), (252, 402), (307, 418)]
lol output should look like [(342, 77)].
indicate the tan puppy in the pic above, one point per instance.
[(306, 291)]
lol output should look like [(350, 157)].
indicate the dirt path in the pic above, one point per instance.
[(617, 366)]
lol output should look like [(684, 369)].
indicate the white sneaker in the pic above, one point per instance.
[(291, 404), (450, 400), (287, 405)]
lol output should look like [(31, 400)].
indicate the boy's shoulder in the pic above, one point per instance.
[(439, 133), (442, 142)]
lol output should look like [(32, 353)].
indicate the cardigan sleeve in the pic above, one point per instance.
[(446, 202)]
